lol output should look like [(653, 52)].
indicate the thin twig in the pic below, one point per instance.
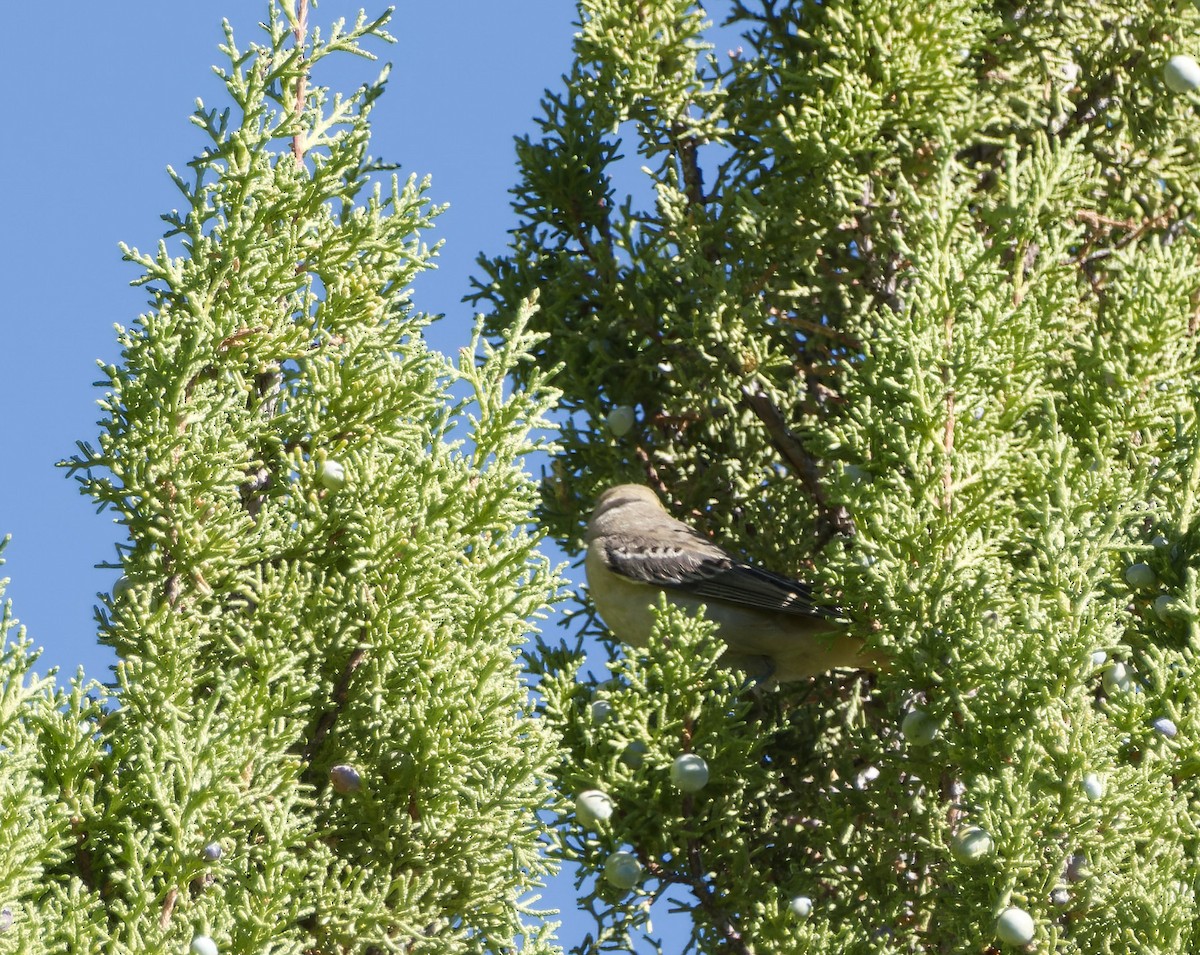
[(948, 432), (164, 919), (696, 871), (329, 717), (652, 475), (301, 34), (689, 164), (833, 520), (1133, 229), (707, 898)]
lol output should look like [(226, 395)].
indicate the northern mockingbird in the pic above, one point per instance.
[(635, 550)]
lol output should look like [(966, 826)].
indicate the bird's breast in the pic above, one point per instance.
[(625, 607)]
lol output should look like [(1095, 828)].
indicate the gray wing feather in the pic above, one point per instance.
[(703, 570)]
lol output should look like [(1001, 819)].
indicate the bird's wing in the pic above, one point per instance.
[(694, 565)]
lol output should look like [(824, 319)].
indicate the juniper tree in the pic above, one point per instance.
[(317, 738), (911, 310)]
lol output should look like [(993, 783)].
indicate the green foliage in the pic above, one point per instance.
[(914, 308), (48, 744), (318, 738), (713, 843)]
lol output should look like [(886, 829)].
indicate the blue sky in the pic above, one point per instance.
[(99, 97), (99, 103)]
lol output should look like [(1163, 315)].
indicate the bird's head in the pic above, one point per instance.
[(630, 499)]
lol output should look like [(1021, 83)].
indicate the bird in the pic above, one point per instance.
[(774, 632)]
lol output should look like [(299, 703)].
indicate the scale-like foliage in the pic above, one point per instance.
[(912, 311), (318, 738)]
